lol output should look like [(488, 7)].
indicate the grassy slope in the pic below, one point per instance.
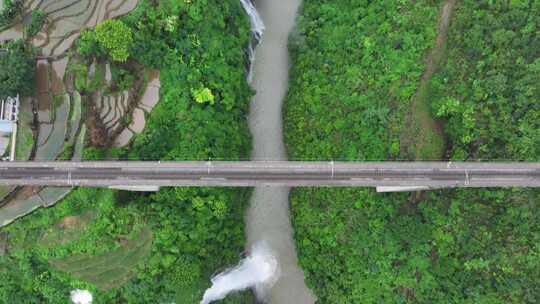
[(195, 231), (356, 246)]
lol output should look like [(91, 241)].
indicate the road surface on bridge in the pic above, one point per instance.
[(271, 173)]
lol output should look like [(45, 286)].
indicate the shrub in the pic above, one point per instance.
[(203, 95), (122, 78), (88, 46), (11, 10), (38, 19), (116, 38)]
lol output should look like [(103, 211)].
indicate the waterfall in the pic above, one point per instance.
[(259, 271), (257, 29)]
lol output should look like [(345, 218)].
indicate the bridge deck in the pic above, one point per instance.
[(272, 173)]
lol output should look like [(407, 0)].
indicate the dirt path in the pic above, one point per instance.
[(268, 217), (424, 137), (437, 53)]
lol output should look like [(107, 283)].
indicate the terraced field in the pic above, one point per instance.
[(56, 129), (121, 115), (110, 269), (67, 18)]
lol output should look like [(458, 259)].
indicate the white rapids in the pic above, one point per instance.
[(257, 30), (259, 271), (268, 216), (276, 278)]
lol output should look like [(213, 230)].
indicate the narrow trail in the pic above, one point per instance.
[(436, 55), (268, 217), (420, 120)]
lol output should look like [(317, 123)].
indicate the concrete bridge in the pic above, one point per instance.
[(384, 175)]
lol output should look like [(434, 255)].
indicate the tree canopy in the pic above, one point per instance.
[(116, 37), (356, 65), (10, 10), (17, 72)]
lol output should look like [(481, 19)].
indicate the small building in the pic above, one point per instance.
[(9, 109)]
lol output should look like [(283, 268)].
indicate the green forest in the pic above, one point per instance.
[(150, 248), (17, 73), (356, 67), (355, 87), (487, 90), (369, 81)]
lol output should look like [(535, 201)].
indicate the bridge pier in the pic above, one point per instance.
[(383, 189), (136, 188)]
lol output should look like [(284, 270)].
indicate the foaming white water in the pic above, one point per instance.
[(257, 30), (259, 270), (257, 25), (79, 296), (268, 216)]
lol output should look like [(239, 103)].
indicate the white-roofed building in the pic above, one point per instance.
[(9, 112), (9, 109)]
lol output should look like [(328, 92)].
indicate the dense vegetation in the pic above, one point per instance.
[(37, 20), (356, 67), (488, 89), (110, 37), (462, 246), (205, 97), (348, 97), (193, 231), (10, 10), (18, 66)]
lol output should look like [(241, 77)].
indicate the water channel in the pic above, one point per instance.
[(268, 216)]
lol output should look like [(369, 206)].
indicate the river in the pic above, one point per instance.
[(268, 217)]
